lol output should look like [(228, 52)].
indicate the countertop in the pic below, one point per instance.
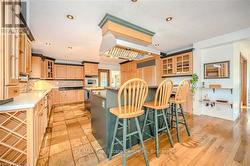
[(94, 88), (100, 93), (25, 100)]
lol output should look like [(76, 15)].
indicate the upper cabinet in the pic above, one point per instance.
[(24, 54), (49, 69), (11, 60), (90, 69), (178, 65), (67, 71), (42, 67), (46, 68)]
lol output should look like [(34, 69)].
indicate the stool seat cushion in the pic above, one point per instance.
[(134, 114), (151, 105)]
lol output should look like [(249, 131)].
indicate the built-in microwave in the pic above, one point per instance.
[(91, 81)]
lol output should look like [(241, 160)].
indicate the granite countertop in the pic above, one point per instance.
[(25, 100)]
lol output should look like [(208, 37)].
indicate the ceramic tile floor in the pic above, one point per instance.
[(68, 139)]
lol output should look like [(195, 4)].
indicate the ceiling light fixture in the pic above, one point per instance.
[(70, 17), (169, 19)]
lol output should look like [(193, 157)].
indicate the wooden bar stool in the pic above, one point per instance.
[(133, 93), (160, 103), (176, 102)]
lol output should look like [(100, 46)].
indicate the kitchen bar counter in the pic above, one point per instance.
[(25, 100), (103, 122)]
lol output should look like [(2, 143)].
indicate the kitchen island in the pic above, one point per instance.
[(103, 122)]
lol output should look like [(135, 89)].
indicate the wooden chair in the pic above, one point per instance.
[(176, 104), (133, 94), (160, 103)]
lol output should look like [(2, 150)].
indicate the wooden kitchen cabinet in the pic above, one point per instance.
[(42, 67), (49, 69), (147, 69), (56, 96), (40, 125), (28, 55), (91, 69), (68, 71), (37, 67), (178, 65), (11, 54), (24, 54), (78, 72), (67, 96), (61, 71)]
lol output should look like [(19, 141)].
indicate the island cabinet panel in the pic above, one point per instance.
[(178, 65), (91, 69)]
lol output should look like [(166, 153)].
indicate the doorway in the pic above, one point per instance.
[(103, 77), (243, 82)]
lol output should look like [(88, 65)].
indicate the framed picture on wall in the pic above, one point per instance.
[(217, 70)]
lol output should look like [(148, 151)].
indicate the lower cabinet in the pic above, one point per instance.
[(40, 124), (68, 96)]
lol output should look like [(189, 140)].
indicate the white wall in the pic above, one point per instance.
[(243, 48), (220, 48), (114, 73), (217, 54)]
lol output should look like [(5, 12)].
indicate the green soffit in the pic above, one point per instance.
[(122, 22)]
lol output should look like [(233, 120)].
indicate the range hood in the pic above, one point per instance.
[(113, 46)]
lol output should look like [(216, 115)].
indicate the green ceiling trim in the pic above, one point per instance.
[(122, 22)]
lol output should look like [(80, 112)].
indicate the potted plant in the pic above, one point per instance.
[(194, 82)]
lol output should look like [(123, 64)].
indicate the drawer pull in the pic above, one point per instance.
[(15, 91)]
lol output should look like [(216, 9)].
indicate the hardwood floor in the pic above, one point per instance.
[(213, 141)]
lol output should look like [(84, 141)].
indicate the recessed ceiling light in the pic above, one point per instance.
[(70, 17), (169, 19), (134, 0)]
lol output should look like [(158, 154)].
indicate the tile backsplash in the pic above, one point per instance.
[(45, 84)]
